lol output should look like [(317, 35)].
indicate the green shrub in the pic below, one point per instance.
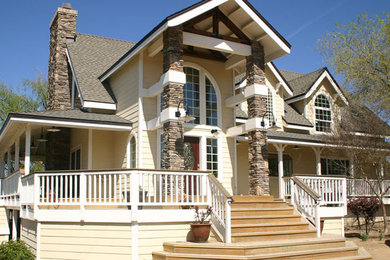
[(15, 250)]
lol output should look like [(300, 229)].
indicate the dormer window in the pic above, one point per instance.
[(323, 114)]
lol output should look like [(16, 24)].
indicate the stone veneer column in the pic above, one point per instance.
[(62, 29), (257, 138), (173, 133)]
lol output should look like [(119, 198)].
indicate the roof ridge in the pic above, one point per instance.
[(104, 37)]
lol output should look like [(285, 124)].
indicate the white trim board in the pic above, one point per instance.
[(71, 124)]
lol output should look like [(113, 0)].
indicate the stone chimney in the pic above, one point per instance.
[(62, 29)]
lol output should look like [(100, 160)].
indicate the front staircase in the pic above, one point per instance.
[(266, 228)]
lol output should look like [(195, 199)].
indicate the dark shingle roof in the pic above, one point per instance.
[(278, 135), (293, 117), (301, 85), (290, 75), (74, 115), (91, 56)]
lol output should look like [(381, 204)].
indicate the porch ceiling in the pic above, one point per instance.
[(16, 123)]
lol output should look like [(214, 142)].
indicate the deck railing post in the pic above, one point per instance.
[(83, 193), (37, 194), (228, 230), (134, 194), (344, 195), (317, 216), (292, 191)]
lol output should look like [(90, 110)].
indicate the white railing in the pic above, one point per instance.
[(333, 190), (125, 188), (220, 203), (306, 201), (10, 187), (286, 186), (361, 187), (133, 189)]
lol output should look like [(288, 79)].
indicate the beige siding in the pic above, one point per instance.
[(150, 147), (3, 225), (333, 226), (242, 168), (79, 138), (152, 237), (228, 163), (29, 233), (85, 241)]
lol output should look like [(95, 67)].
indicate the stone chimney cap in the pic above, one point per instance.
[(67, 5)]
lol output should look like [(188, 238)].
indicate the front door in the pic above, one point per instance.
[(191, 162)]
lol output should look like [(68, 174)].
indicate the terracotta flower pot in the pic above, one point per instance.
[(200, 232)]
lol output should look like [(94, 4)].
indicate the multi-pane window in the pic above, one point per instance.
[(211, 104), (274, 167), (192, 94), (199, 95), (334, 167), (269, 112), (212, 155), (323, 114), (133, 152)]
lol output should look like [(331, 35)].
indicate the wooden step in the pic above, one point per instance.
[(244, 228), (256, 219), (248, 198), (265, 204), (305, 254), (245, 249), (262, 211), (273, 235)]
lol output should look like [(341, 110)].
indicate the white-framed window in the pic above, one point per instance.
[(75, 159), (323, 114), (133, 152), (212, 155), (200, 97)]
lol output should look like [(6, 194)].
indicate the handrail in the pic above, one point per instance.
[(220, 202), (307, 201), (306, 187), (220, 186)]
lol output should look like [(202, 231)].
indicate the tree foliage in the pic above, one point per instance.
[(359, 51), (15, 250), (32, 98)]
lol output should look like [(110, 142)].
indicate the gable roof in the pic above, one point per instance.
[(195, 10), (89, 57), (292, 117), (290, 75), (304, 85)]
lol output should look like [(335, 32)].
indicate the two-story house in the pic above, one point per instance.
[(192, 114)]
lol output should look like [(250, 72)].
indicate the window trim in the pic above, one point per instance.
[(323, 108)]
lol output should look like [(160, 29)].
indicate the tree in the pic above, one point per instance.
[(360, 53), (363, 134), (33, 97)]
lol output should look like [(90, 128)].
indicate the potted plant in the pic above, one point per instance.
[(201, 227)]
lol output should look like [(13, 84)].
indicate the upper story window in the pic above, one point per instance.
[(200, 97), (323, 114), (133, 152)]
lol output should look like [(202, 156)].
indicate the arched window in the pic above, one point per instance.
[(323, 114), (133, 152), (200, 95)]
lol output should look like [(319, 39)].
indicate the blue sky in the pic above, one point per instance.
[(24, 27)]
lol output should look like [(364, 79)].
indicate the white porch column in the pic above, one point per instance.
[(27, 151), (14, 223), (280, 148), (17, 151), (90, 139), (317, 152)]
